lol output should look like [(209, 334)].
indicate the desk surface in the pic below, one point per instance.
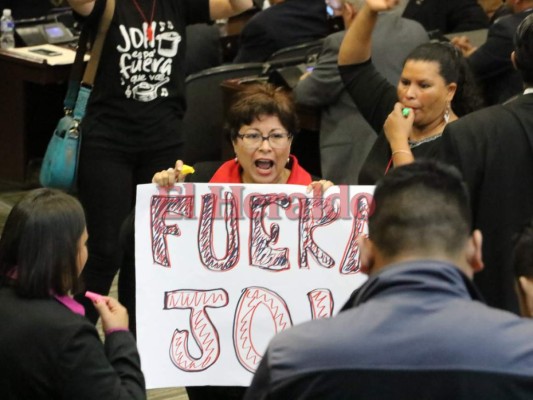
[(29, 111), (23, 69)]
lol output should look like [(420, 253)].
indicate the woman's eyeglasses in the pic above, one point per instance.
[(255, 139)]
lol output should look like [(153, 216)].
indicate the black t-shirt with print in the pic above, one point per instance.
[(139, 86)]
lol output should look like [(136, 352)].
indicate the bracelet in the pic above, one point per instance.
[(401, 151)]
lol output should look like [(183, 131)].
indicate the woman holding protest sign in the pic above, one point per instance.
[(261, 124)]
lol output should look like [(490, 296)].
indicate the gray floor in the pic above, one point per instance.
[(10, 193)]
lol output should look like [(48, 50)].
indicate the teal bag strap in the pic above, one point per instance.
[(74, 92), (76, 71), (84, 89), (81, 104)]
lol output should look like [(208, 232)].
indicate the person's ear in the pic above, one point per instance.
[(475, 253), (526, 296), (452, 88), (349, 12), (513, 60), (366, 254)]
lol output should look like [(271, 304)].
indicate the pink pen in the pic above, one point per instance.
[(93, 296)]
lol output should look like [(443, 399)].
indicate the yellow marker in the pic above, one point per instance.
[(187, 169)]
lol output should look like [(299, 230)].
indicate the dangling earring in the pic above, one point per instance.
[(288, 160), (236, 160), (447, 114)]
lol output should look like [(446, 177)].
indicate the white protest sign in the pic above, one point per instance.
[(220, 269)]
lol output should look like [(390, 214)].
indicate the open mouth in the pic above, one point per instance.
[(264, 164)]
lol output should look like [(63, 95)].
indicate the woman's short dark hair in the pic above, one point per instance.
[(262, 99), (39, 244), (523, 44), (454, 68)]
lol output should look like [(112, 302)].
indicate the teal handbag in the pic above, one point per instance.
[(60, 163)]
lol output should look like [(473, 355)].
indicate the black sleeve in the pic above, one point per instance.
[(255, 43), (463, 151), (374, 95), (494, 56), (90, 371)]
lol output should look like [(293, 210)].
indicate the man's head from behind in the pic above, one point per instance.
[(523, 50), (422, 211)]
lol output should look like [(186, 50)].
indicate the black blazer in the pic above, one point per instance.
[(493, 148), (48, 352)]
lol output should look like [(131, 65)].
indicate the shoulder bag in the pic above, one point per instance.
[(60, 163)]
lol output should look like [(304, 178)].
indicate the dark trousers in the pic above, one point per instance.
[(108, 175), (216, 392), (126, 279)]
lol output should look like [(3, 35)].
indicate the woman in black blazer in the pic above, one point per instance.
[(47, 349)]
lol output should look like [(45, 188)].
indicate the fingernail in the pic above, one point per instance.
[(93, 296)]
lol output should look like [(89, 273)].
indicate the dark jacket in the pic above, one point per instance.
[(447, 15), (492, 64), (286, 24), (417, 331), (493, 148), (203, 48), (21, 9), (48, 352)]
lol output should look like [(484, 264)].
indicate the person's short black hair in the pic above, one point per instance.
[(263, 99), (523, 48), (39, 244), (523, 252), (420, 207)]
